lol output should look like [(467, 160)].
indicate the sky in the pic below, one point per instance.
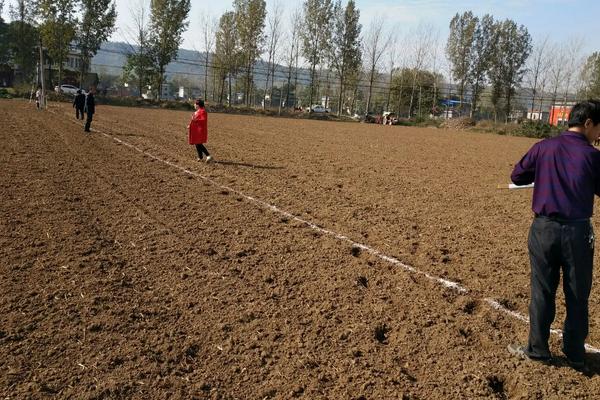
[(561, 21), (557, 19)]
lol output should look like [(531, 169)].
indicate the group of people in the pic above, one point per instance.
[(83, 103), (197, 128)]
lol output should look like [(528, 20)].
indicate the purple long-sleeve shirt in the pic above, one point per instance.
[(566, 172)]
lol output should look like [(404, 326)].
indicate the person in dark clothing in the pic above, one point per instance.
[(566, 172), (79, 104), (90, 109)]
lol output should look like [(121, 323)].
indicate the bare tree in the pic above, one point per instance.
[(273, 38), (421, 38), (138, 66), (574, 63), (209, 26), (392, 59), (345, 50), (250, 23), (228, 56), (376, 43), (293, 53), (435, 51), (539, 62), (316, 34), (545, 77), (556, 70)]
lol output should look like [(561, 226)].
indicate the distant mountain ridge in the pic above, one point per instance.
[(112, 57)]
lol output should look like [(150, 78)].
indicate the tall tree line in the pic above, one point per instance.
[(481, 50)]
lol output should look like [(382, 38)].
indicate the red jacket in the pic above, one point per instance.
[(198, 127)]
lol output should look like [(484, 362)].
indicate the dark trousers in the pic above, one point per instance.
[(554, 244), (201, 149), (78, 112), (88, 122)]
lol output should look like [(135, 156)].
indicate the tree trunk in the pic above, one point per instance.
[(206, 77), (161, 71), (387, 103), (229, 88), (312, 85), (287, 92), (264, 102), (273, 84), (420, 94), (341, 97), (371, 78), (412, 96)]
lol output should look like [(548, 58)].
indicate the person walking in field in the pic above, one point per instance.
[(566, 172), (79, 104), (90, 109), (38, 96), (198, 130)]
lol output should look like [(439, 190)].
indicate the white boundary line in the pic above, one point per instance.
[(392, 260)]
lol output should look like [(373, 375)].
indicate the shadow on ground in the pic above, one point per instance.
[(239, 164)]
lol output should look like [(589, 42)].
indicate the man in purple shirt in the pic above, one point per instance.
[(566, 172)]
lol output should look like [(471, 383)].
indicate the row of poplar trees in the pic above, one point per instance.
[(325, 33), (485, 51)]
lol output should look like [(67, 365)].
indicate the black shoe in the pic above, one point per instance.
[(576, 365)]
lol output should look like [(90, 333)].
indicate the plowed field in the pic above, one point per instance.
[(313, 259)]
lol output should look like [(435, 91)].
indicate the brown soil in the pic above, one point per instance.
[(127, 277)]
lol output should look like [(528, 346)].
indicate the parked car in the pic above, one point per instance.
[(317, 108), (68, 89)]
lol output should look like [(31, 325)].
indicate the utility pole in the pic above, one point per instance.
[(43, 81)]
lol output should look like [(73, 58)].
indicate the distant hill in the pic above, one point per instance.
[(112, 56)]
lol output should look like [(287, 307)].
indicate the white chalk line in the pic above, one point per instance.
[(392, 260)]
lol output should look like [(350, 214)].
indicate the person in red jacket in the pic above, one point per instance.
[(198, 130)]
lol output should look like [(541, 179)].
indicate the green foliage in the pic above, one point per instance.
[(316, 34), (57, 29), (97, 24), (168, 21), (401, 91), (346, 54), (459, 47), (536, 129), (228, 55), (139, 69), (480, 56), (250, 24), (527, 128), (4, 40), (512, 45), (23, 40), (591, 77), (5, 94)]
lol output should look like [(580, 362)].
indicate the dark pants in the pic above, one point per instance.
[(201, 149), (78, 112), (554, 244), (88, 122)]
